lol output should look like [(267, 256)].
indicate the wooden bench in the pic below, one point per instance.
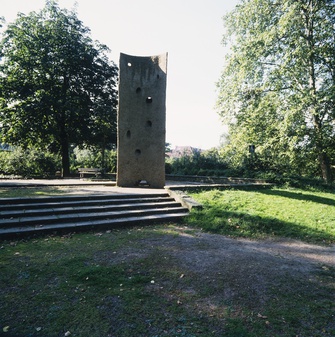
[(89, 170)]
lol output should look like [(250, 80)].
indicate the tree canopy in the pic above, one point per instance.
[(277, 88), (57, 85)]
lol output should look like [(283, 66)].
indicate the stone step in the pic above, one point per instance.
[(72, 217), (22, 203), (38, 215), (100, 224), (66, 208)]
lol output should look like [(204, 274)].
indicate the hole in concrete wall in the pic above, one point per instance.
[(128, 134), (129, 64), (149, 99), (157, 76), (138, 90), (142, 183), (149, 124), (137, 152)]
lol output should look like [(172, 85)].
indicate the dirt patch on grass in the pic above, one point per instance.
[(205, 254), (167, 280), (220, 277)]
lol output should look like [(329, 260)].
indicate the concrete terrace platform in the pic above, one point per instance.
[(90, 186), (78, 186), (77, 182), (86, 187), (111, 183)]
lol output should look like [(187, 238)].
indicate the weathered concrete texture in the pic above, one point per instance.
[(141, 121)]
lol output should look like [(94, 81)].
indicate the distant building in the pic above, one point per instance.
[(180, 151)]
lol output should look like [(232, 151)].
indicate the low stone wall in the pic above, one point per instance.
[(214, 180)]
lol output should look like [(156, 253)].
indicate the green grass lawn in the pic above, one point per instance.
[(276, 212)]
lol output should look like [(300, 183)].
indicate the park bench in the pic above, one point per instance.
[(89, 170)]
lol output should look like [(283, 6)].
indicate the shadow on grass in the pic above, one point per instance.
[(139, 292), (299, 196), (240, 224)]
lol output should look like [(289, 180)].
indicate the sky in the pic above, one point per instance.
[(190, 31)]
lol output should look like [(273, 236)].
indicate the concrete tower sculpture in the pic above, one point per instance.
[(141, 121)]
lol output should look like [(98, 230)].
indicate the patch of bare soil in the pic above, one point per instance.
[(248, 274)]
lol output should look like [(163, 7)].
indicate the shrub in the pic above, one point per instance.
[(198, 163), (29, 163)]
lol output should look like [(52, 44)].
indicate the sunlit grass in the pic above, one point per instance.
[(21, 192), (276, 212)]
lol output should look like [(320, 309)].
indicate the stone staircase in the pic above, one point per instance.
[(26, 216)]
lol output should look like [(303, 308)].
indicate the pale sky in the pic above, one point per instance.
[(190, 31)]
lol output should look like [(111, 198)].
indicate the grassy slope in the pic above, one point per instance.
[(292, 213)]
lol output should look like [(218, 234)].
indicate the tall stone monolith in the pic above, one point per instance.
[(141, 121)]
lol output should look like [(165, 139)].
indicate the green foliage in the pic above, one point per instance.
[(57, 85), (277, 212), (198, 163), (29, 163), (230, 161), (36, 163), (33, 162), (277, 87), (90, 157)]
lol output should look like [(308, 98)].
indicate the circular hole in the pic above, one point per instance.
[(149, 124), (137, 152), (149, 99), (138, 90), (129, 64), (128, 134)]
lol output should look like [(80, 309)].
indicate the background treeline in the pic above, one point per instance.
[(227, 162), (35, 163), (217, 162)]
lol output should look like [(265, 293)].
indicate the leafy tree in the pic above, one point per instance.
[(57, 85), (277, 89)]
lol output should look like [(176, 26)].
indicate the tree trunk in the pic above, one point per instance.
[(325, 167), (323, 158), (65, 158), (319, 144), (64, 144), (103, 151), (103, 155)]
